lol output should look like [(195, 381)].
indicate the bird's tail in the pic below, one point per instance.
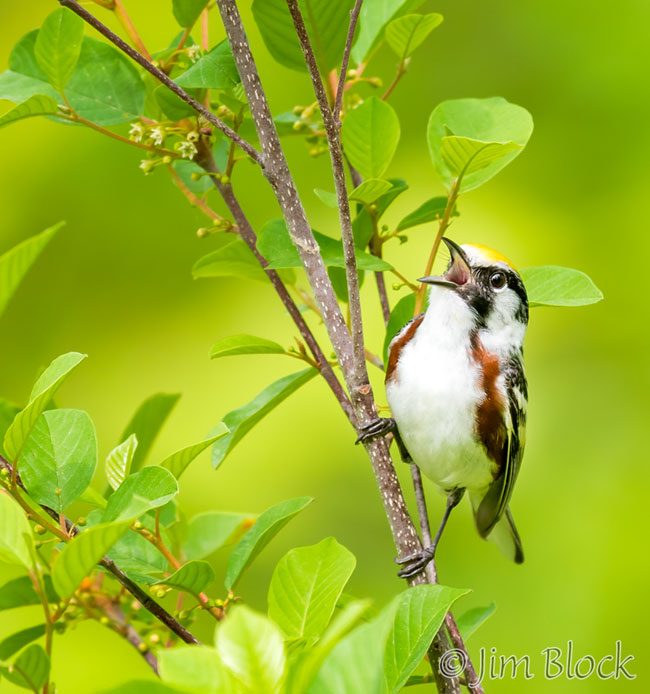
[(504, 534)]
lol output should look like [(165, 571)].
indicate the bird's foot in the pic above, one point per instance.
[(378, 427), (416, 562)]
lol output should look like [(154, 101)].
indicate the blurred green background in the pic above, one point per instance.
[(116, 284)]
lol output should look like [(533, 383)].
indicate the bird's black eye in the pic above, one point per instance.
[(498, 280)]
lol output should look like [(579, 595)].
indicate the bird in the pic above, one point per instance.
[(457, 389)]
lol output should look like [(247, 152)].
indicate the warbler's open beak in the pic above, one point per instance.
[(458, 272)]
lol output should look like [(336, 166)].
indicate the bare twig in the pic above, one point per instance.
[(162, 77), (345, 61)]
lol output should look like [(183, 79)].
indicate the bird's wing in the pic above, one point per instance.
[(496, 500)]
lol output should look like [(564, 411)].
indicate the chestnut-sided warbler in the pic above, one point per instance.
[(456, 386)]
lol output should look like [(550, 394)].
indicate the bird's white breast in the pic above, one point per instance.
[(434, 394)]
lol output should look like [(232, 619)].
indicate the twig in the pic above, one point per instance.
[(162, 77), (145, 600), (345, 61), (401, 71)]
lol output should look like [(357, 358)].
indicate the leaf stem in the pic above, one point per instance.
[(129, 27)]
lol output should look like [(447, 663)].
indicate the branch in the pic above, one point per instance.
[(340, 88), (162, 77), (338, 170), (143, 598)]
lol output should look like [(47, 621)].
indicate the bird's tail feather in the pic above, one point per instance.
[(504, 534)]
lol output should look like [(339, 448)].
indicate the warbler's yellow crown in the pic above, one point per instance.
[(489, 254)]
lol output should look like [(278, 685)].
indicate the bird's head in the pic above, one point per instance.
[(487, 282)]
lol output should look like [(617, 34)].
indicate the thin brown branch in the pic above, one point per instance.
[(345, 61), (143, 598), (401, 71), (163, 78)]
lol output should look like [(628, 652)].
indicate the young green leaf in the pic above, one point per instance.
[(147, 422), (14, 643), (82, 553), (19, 592), (42, 392), (8, 412), (231, 259), (373, 19), (192, 577), (430, 211), (186, 170), (151, 487), (275, 244), (465, 156), (58, 46), (138, 558), (15, 263), (208, 532), (150, 687), (327, 25), (251, 646), (177, 462), (195, 669), (363, 225), (476, 122), (172, 106), (215, 70), (370, 190), (37, 105), (327, 198), (552, 285), (370, 136), (119, 460), (401, 314), (306, 585), (268, 525), (407, 33), (187, 12), (30, 670), (471, 620), (419, 615), (16, 540), (59, 458), (243, 419), (244, 344)]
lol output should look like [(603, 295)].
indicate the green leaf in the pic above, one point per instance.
[(370, 190), (194, 668), (14, 643), (16, 541), (243, 419), (491, 121), (30, 670), (37, 105), (44, 388), (192, 577), (430, 211), (407, 33), (363, 226), (401, 314), (275, 244), (420, 613), (306, 585), (215, 70), (471, 620), (208, 532), (327, 198), (268, 525), (177, 462), (147, 686), (552, 285), (185, 169), (327, 26), (309, 661), (370, 136), (232, 258), (464, 156), (172, 106), (59, 458), (151, 487), (58, 46), (80, 556), (373, 19), (19, 592), (244, 344), (8, 412), (119, 460), (138, 558), (251, 646), (15, 263), (187, 12), (147, 422)]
